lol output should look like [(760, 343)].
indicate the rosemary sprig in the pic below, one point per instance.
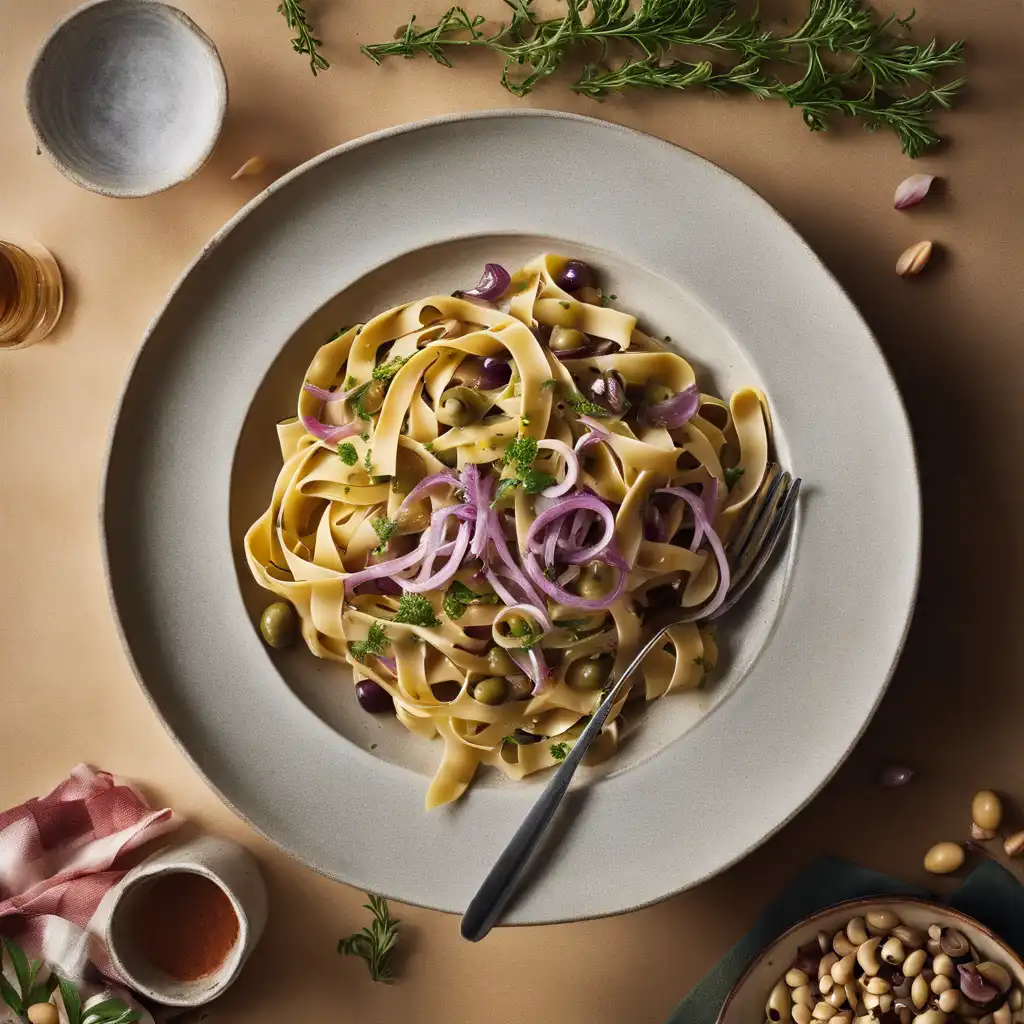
[(877, 63), (374, 944), (304, 42)]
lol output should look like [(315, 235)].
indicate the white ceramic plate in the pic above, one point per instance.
[(697, 256)]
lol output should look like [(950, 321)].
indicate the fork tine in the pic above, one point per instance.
[(779, 522), (738, 541), (741, 561)]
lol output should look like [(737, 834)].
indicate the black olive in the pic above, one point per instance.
[(373, 697), (575, 275)]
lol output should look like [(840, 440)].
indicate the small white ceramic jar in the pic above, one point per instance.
[(236, 874)]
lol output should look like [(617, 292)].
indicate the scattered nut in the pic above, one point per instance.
[(253, 166), (43, 1013), (945, 858), (987, 809), (914, 259), (1014, 846)]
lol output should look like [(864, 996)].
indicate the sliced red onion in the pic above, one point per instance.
[(697, 508), (493, 284), (533, 665), (484, 515), (326, 432), (498, 587), (497, 538), (563, 596), (552, 540), (572, 468), (911, 191), (538, 615), (447, 571), (609, 556), (674, 411), (389, 567), (574, 504), (325, 394), (570, 574), (470, 478), (597, 433), (426, 484)]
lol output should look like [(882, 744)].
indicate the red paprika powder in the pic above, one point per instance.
[(185, 925)]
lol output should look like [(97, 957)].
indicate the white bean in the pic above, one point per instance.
[(841, 944), (914, 963), (795, 978), (942, 964), (941, 983), (827, 962), (825, 984), (842, 972), (949, 1001), (802, 1014), (779, 1004), (856, 931), (893, 952), (1016, 1000), (802, 997), (824, 1011), (881, 922), (931, 1017), (837, 996), (910, 937), (920, 993), (877, 986), (867, 956)]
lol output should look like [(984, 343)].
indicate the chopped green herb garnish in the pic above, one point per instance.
[(386, 371), (348, 454), (415, 609), (367, 463), (732, 476), (559, 751), (373, 644), (460, 597), (385, 530), (535, 481), (505, 486), (429, 446), (522, 451), (373, 746), (549, 383), (607, 299), (375, 944), (525, 420), (584, 407)]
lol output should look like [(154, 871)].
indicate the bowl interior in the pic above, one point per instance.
[(127, 96), (129, 915), (747, 1000)]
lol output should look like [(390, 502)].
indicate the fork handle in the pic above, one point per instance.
[(501, 881)]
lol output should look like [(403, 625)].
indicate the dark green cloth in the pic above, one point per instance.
[(990, 893)]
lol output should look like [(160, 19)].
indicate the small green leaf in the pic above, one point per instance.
[(559, 751), (72, 1001), (732, 476), (10, 997), (21, 966)]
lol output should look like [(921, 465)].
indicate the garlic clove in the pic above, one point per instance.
[(914, 259), (911, 191), (253, 166)]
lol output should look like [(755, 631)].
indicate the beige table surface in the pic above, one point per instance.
[(955, 338)]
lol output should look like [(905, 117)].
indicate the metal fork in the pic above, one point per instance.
[(763, 526)]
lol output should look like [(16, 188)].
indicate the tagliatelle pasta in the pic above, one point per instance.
[(483, 495)]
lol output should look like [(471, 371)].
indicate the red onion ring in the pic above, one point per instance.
[(389, 567), (563, 596), (446, 572), (493, 284), (572, 468), (326, 432), (675, 411), (573, 504), (325, 394), (426, 484), (697, 507)]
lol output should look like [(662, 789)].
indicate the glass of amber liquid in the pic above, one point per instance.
[(31, 294)]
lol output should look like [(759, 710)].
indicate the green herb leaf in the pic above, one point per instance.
[(368, 462), (584, 407), (347, 453), (22, 969), (416, 610), (549, 383), (375, 944), (460, 597), (385, 529), (72, 1001), (386, 371), (304, 42), (374, 643), (10, 996), (732, 476), (534, 481), (521, 451), (559, 751)]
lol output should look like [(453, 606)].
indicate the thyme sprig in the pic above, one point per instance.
[(850, 62), (375, 943)]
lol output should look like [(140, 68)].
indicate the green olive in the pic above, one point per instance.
[(414, 519), (279, 624), (589, 674), (595, 581), (565, 339), (499, 662), (518, 626), (656, 393), (491, 690), (460, 406)]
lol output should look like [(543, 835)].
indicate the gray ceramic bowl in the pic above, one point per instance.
[(127, 97)]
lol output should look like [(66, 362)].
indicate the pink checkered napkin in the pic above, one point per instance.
[(58, 862)]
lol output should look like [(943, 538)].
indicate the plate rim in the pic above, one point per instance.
[(222, 234)]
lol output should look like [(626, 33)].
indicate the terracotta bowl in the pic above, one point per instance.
[(746, 1002)]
